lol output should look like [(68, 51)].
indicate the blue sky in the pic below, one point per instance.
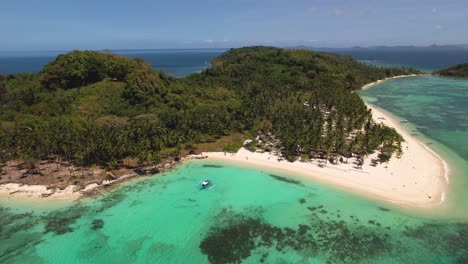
[(137, 24)]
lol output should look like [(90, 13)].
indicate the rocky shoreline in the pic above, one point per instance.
[(92, 187)]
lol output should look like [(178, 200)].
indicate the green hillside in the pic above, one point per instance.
[(93, 108), (460, 70)]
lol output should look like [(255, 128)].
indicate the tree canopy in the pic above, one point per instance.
[(99, 108), (460, 70)]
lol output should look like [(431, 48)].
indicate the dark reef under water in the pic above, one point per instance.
[(325, 233), (238, 236), (235, 236)]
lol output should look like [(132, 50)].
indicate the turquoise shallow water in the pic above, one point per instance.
[(253, 216), (437, 111), (249, 216)]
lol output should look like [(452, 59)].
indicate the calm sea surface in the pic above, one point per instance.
[(182, 62), (423, 59), (255, 216), (250, 216), (437, 111), (177, 62)]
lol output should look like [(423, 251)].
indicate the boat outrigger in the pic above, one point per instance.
[(205, 184)]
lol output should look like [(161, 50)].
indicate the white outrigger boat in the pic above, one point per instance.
[(205, 184)]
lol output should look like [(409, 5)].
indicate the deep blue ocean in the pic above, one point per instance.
[(182, 62), (424, 59), (289, 219), (175, 62)]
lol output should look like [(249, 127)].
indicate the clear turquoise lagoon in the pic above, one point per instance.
[(255, 216), (437, 111), (249, 216)]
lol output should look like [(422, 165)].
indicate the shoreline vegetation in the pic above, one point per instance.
[(460, 71), (74, 192), (372, 84), (418, 178), (394, 182), (91, 119)]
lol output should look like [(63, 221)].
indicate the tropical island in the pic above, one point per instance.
[(460, 70), (93, 117)]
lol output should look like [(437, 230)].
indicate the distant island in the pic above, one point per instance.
[(93, 116), (408, 47), (460, 70)]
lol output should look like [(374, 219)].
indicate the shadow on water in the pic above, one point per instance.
[(285, 179), (383, 209), (212, 166)]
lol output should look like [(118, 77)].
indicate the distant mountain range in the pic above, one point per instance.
[(433, 46)]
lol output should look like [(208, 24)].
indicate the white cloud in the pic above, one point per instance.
[(339, 12), (434, 10), (439, 27), (208, 41)]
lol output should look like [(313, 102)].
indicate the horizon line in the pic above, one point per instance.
[(227, 48)]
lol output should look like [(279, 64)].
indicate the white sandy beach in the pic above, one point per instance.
[(418, 178), (32, 192), (19, 190), (369, 85)]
